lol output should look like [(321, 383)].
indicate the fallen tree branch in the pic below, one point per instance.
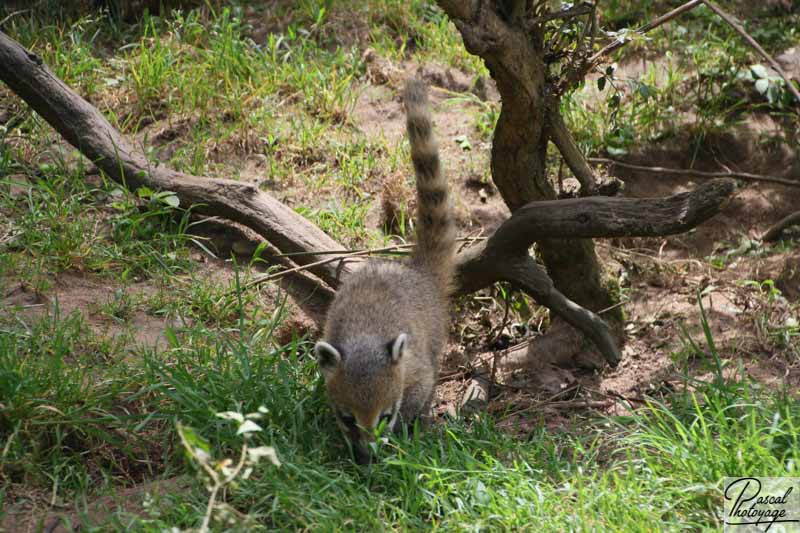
[(579, 218), (600, 216), (87, 130), (747, 176), (775, 231), (752, 42)]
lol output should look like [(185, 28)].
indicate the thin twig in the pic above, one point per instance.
[(541, 402), (340, 252), (449, 377), (752, 42), (619, 43), (572, 12), (218, 484), (282, 273), (649, 257), (495, 338), (580, 403), (503, 323), (12, 15), (341, 255), (698, 173), (613, 395), (471, 239), (610, 307), (468, 240)]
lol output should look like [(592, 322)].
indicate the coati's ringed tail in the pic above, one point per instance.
[(436, 230)]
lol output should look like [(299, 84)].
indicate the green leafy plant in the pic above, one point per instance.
[(224, 473), (771, 86)]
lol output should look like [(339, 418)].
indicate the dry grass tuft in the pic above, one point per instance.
[(397, 205)]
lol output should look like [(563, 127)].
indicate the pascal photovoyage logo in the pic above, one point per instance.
[(762, 504)]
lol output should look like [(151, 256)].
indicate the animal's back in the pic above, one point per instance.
[(386, 298)]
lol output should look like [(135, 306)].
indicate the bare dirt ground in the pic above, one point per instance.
[(75, 292)]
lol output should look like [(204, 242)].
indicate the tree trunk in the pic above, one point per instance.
[(513, 56)]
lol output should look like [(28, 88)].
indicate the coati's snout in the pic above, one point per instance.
[(364, 381), (359, 438), (362, 454)]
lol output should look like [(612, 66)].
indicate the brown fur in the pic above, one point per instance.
[(395, 308)]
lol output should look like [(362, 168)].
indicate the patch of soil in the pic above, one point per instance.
[(755, 206), (86, 294), (36, 516)]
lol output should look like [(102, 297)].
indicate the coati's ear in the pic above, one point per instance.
[(397, 346), (328, 357)]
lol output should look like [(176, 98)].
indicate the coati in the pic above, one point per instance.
[(389, 320)]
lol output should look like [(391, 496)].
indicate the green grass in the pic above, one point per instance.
[(64, 403), (659, 467), (57, 222), (85, 410), (73, 407)]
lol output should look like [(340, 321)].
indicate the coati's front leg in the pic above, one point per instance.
[(416, 403)]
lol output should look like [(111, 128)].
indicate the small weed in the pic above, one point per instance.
[(226, 472), (745, 247), (775, 316), (118, 307)]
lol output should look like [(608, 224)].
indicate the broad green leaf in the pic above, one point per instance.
[(759, 71)]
